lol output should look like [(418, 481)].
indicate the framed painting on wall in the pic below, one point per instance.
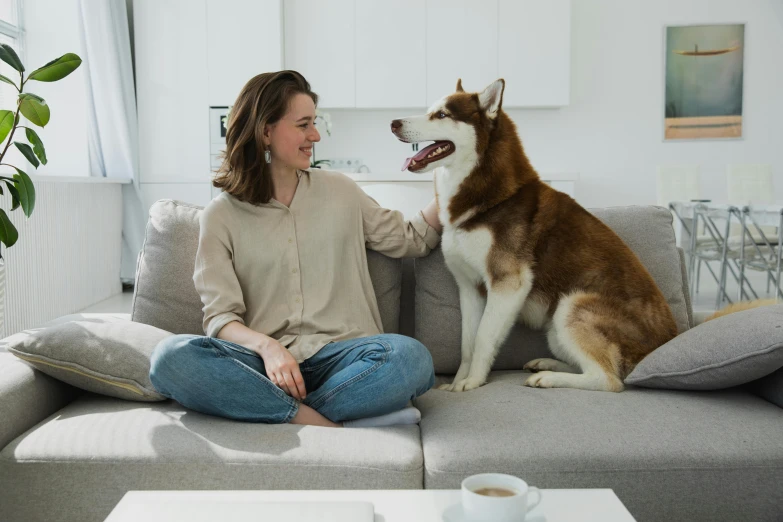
[(703, 81)]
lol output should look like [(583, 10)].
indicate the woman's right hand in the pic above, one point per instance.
[(282, 369)]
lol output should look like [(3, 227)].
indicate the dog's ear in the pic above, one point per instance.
[(459, 85), (491, 98)]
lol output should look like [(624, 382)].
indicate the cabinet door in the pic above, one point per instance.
[(319, 43), (462, 42), (171, 87), (390, 54), (243, 40), (535, 52)]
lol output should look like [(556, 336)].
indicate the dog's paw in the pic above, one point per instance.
[(446, 387), (540, 380), (539, 365), (466, 384)]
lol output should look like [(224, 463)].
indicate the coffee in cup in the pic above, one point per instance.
[(496, 492)]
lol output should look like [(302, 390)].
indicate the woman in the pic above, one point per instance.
[(292, 323)]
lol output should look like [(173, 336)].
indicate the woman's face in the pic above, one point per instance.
[(291, 138)]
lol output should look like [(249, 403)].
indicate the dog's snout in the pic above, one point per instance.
[(396, 124)]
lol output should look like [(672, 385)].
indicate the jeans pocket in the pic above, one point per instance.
[(235, 347)]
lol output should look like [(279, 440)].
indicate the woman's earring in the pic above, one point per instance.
[(268, 156)]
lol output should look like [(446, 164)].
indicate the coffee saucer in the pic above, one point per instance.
[(455, 513)]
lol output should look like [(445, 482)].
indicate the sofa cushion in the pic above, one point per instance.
[(646, 230), (77, 464), (724, 352), (668, 455), (95, 352), (165, 296)]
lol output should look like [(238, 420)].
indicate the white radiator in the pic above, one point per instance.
[(68, 253)]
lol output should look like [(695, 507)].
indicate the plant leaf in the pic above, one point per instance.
[(38, 146), (6, 124), (25, 149), (9, 56), (8, 80), (8, 232), (34, 109), (57, 69), (16, 199), (35, 97), (26, 191)]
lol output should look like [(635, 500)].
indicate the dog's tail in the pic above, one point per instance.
[(740, 306)]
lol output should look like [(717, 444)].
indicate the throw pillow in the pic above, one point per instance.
[(95, 352), (727, 351)]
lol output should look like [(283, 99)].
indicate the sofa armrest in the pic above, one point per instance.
[(27, 396)]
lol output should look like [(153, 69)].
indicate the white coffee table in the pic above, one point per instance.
[(557, 505)]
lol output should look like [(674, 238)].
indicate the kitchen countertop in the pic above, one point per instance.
[(387, 176)]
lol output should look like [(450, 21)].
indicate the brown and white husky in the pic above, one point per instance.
[(520, 250)]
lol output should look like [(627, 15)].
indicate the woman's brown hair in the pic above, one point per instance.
[(263, 101)]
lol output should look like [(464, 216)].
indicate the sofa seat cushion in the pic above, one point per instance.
[(668, 455), (77, 464)]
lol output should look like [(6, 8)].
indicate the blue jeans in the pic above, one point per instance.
[(345, 380)]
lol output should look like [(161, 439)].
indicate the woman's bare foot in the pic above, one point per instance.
[(309, 416)]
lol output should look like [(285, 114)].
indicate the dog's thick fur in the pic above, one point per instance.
[(741, 306), (520, 250)]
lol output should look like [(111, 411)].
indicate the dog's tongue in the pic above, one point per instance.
[(423, 153)]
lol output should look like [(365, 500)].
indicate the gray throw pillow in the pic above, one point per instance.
[(728, 351), (95, 352)]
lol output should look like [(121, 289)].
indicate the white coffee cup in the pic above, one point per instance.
[(513, 508)]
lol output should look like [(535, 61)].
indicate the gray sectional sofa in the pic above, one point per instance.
[(69, 455)]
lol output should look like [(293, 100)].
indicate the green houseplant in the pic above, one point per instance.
[(36, 111)]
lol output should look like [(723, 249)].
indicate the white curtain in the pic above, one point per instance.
[(111, 105)]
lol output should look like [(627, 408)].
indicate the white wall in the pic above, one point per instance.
[(612, 132), (52, 29)]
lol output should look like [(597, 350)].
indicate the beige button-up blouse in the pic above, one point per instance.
[(299, 274)]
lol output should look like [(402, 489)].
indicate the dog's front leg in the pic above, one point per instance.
[(502, 311), (472, 305)]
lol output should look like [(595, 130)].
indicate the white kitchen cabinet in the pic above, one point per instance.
[(534, 52), (243, 40), (390, 59), (171, 88), (320, 44), (462, 42), (381, 54)]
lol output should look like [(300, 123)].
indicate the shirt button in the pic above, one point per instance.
[(297, 299), (293, 271), (290, 240)]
